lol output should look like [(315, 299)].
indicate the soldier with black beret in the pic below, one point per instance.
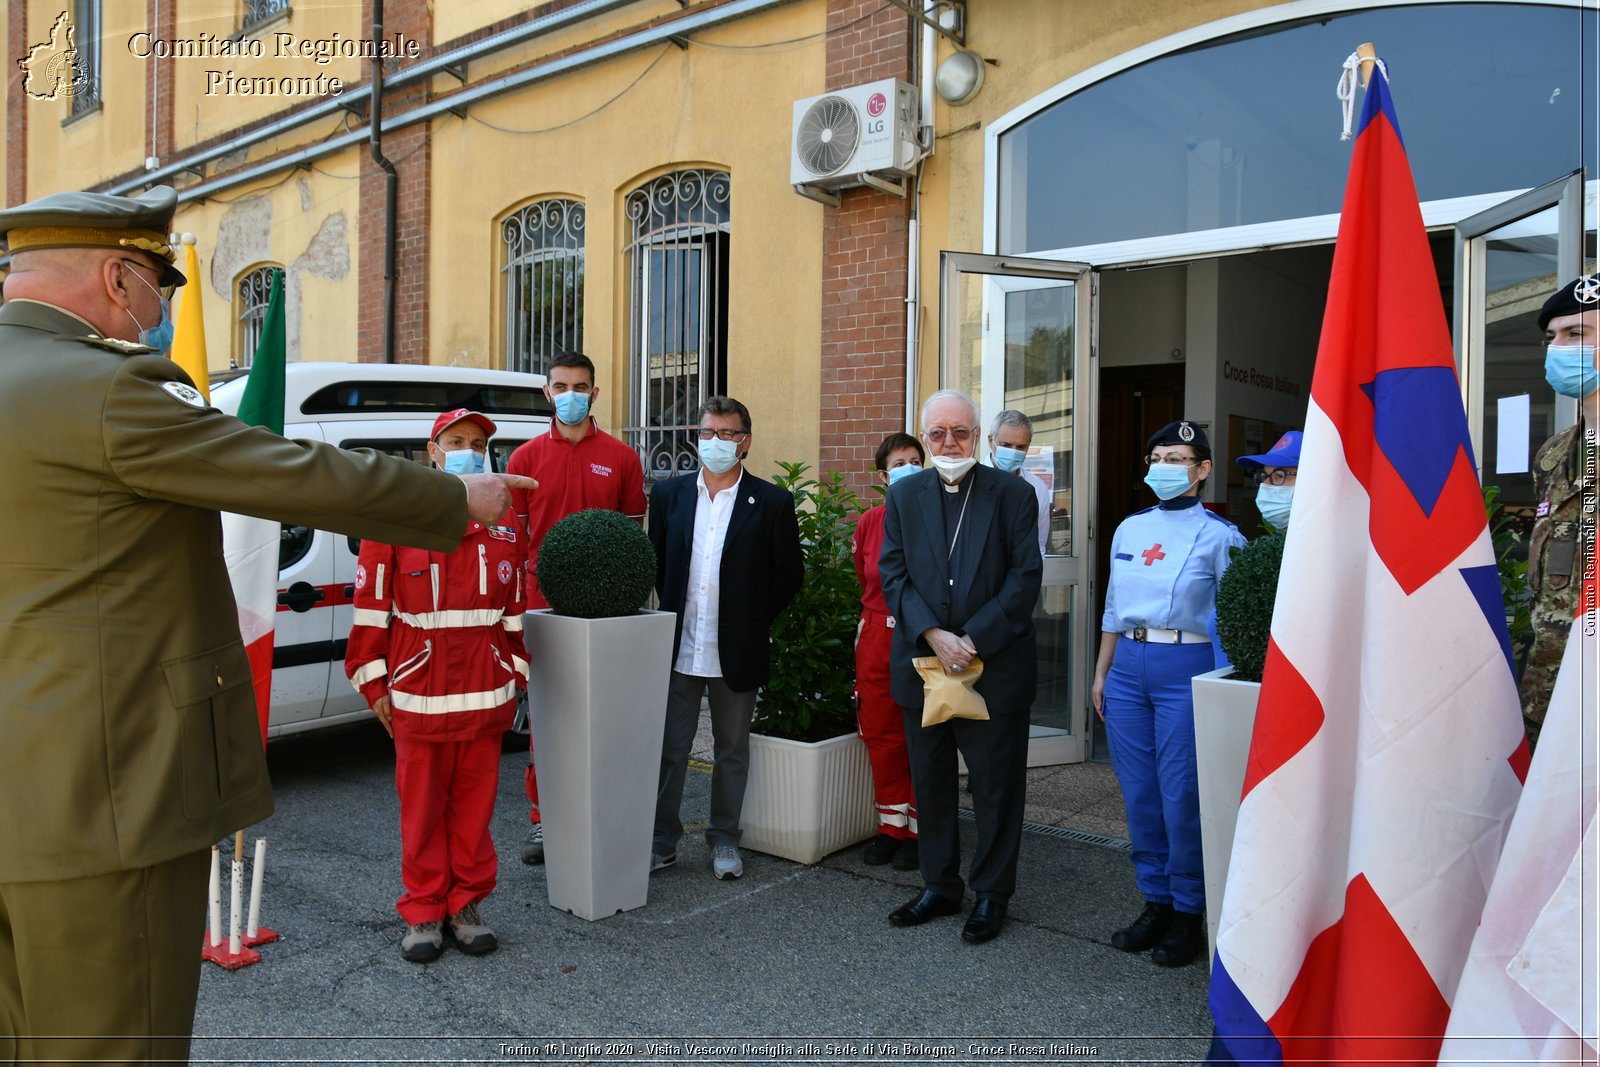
[(1166, 562), (131, 737), (1562, 546)]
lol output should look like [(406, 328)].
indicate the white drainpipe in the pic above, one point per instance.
[(925, 66)]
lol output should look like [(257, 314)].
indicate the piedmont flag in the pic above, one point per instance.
[(189, 337), (1388, 747), (250, 545), (1531, 985)]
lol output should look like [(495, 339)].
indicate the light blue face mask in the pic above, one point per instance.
[(905, 470), (1167, 480), (463, 461), (1274, 502), (1009, 459), (1570, 370), (572, 407), (159, 336), (718, 456)]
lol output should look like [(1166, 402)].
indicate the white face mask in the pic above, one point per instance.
[(952, 470)]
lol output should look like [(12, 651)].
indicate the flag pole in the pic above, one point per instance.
[(1367, 55)]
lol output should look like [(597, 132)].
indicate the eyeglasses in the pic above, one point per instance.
[(962, 434), (166, 291), (723, 435), (1171, 461), (1275, 477)]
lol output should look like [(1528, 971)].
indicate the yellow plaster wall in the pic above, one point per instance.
[(101, 143), (726, 107), (308, 225)]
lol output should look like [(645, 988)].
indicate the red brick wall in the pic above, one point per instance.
[(158, 80), (411, 153), (16, 106), (863, 266)]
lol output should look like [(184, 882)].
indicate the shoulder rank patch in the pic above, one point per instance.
[(112, 344), (186, 393)]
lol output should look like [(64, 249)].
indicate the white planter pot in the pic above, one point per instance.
[(597, 699), (807, 799), (1224, 717)]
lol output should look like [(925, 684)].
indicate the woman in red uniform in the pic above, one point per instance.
[(436, 649), (877, 715)]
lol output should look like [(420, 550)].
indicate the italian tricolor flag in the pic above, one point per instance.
[(250, 545)]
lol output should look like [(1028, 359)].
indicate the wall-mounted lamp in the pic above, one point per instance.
[(959, 77)]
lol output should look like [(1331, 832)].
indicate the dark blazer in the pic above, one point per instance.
[(761, 568), (995, 570)]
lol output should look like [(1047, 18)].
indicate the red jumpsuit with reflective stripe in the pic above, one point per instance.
[(878, 717), (440, 634)]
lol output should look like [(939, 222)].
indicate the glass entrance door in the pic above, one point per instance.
[(1017, 334)]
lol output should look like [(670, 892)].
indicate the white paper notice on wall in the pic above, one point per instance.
[(1511, 448)]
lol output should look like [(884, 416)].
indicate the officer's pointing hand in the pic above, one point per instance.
[(489, 495)]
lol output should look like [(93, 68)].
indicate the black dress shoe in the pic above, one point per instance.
[(1183, 942), (1144, 931), (879, 850), (988, 915), (929, 905)]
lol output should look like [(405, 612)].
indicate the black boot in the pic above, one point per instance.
[(1144, 931), (1183, 942)]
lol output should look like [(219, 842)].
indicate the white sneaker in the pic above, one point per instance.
[(726, 862)]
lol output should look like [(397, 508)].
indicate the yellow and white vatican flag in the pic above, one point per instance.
[(189, 338)]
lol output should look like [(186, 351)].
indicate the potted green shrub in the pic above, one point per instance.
[(810, 790), (599, 665)]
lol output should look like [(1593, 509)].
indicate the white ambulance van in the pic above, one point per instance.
[(389, 408)]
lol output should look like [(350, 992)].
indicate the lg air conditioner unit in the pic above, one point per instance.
[(865, 135)]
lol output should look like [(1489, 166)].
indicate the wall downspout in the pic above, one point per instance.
[(925, 64), (391, 188)]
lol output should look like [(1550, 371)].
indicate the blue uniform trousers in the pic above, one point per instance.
[(1149, 710)]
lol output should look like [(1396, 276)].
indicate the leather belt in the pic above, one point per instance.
[(1154, 636)]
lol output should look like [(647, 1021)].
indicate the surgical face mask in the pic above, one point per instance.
[(572, 407), (1009, 459), (718, 456), (159, 336), (463, 461), (952, 469), (1274, 501), (905, 470), (1570, 370), (1167, 480)]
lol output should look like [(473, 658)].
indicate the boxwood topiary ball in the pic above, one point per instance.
[(1245, 598), (596, 564)]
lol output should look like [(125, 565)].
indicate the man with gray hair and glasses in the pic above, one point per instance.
[(1010, 436), (961, 573)]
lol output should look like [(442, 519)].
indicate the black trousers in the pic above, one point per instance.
[(996, 751)]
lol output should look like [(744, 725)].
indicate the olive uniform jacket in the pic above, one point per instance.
[(128, 728)]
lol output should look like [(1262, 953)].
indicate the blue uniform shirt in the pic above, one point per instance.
[(1165, 566)]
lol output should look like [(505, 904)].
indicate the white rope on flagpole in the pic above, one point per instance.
[(1346, 89), (254, 926)]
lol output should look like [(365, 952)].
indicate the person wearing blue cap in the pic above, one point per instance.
[(1166, 562)]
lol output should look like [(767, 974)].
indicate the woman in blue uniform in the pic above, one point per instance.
[(1165, 565)]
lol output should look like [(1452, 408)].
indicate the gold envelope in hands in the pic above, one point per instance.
[(949, 696)]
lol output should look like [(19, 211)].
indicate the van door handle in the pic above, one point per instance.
[(300, 596)]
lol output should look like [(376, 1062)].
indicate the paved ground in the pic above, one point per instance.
[(788, 964)]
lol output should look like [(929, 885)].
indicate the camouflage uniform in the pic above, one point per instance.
[(1561, 548)]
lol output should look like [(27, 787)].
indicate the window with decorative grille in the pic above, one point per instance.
[(678, 252), (86, 65), (543, 279), (258, 11), (255, 290)]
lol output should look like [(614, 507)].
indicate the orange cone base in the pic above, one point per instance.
[(263, 937), (220, 955)]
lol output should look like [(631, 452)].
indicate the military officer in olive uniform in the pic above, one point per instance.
[(1562, 545), (129, 729)]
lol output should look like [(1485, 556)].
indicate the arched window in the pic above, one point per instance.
[(250, 298), (678, 247), (543, 272)]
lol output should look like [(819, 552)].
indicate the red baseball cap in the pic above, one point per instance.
[(450, 418)]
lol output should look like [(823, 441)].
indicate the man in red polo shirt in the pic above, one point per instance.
[(579, 466)]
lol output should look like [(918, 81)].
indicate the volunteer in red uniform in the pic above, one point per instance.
[(436, 649), (580, 466), (878, 717)]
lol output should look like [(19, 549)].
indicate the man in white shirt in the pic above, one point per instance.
[(728, 562), (1010, 437)]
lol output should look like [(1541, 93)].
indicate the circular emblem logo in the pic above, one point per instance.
[(361, 577), (1587, 291), (186, 393), (877, 104), (504, 571), (1185, 432)]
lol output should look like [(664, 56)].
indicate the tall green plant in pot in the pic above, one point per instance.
[(809, 695), (1245, 597)]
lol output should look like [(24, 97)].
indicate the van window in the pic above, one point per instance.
[(293, 544), (426, 397)]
